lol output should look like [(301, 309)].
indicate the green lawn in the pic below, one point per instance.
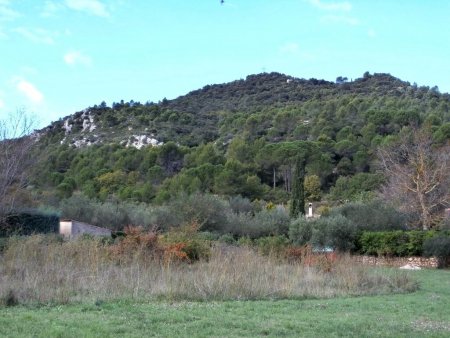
[(423, 313)]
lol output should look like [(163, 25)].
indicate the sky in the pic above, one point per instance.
[(62, 56)]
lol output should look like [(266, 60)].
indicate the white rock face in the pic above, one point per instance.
[(139, 141), (84, 142), (67, 127), (88, 124)]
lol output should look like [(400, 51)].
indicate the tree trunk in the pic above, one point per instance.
[(274, 178)]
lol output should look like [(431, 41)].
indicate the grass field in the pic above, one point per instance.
[(424, 313)]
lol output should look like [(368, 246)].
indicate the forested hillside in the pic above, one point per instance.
[(239, 138)]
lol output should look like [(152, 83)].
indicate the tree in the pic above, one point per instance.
[(298, 189), (15, 158), (312, 188), (418, 175)]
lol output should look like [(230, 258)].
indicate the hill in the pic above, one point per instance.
[(235, 138)]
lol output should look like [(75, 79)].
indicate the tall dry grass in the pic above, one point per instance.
[(39, 270)]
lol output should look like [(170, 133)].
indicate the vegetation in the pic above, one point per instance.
[(196, 191), (15, 160), (298, 191), (400, 243), (241, 138), (402, 315), (175, 266), (418, 175)]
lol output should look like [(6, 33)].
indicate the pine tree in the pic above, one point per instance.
[(298, 189)]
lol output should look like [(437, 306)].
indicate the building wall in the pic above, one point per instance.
[(65, 228), (70, 228)]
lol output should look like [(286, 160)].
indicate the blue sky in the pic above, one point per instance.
[(61, 56)]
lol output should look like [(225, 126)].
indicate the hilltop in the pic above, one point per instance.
[(196, 117)]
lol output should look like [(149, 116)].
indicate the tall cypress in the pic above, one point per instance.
[(298, 189)]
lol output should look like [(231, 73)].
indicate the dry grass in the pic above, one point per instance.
[(38, 270)]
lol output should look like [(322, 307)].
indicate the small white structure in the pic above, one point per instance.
[(72, 229), (410, 267), (310, 210)]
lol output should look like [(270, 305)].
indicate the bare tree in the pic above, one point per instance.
[(418, 175), (15, 157)]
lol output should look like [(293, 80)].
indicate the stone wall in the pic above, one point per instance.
[(422, 262)]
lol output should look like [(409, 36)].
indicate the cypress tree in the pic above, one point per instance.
[(298, 189)]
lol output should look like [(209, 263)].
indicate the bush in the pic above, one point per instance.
[(239, 205), (208, 210), (300, 231), (351, 187), (336, 232), (396, 243), (373, 216), (261, 224), (110, 214), (28, 223), (227, 239), (439, 247), (186, 243), (341, 233), (272, 246)]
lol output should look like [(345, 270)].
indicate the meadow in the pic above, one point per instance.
[(423, 313), (68, 289)]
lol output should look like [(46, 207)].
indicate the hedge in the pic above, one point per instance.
[(396, 243), (27, 223)]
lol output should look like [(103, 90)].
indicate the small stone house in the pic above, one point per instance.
[(72, 229)]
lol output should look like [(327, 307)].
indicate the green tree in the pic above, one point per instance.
[(312, 188), (298, 189)]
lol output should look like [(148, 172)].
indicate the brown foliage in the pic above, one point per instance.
[(304, 255), (137, 241)]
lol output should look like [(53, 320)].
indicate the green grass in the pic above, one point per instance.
[(425, 313)]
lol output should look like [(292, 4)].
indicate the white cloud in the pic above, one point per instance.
[(6, 12), (76, 57), (50, 8), (340, 19), (30, 91), (37, 35), (93, 7), (371, 33), (290, 48), (3, 34), (332, 6)]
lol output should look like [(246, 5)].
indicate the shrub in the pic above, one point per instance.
[(186, 239), (239, 204), (439, 247), (261, 224), (27, 223), (274, 246), (227, 239), (351, 187), (373, 216), (300, 231), (110, 214), (336, 232), (341, 233), (137, 242), (208, 210), (396, 243)]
